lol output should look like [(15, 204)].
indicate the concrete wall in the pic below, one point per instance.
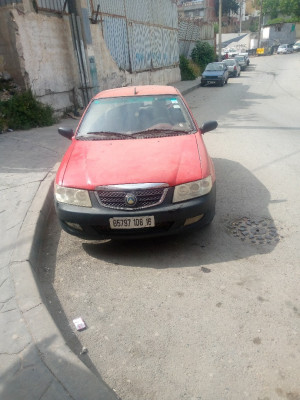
[(9, 59), (38, 51), (110, 75), (278, 34), (191, 31), (298, 31), (44, 46)]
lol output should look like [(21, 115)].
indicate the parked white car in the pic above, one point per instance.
[(296, 46), (285, 49)]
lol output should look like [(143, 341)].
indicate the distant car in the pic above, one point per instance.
[(242, 62), (215, 73), (296, 46), (285, 49), (232, 52), (137, 166), (233, 66), (246, 55)]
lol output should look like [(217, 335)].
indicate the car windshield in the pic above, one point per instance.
[(135, 117), (229, 62), (240, 58), (215, 67)]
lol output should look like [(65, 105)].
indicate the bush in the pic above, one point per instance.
[(23, 111), (202, 54), (187, 73)]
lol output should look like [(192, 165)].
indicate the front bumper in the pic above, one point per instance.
[(93, 223), (213, 80)]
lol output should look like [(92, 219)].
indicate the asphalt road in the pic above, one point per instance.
[(215, 314)]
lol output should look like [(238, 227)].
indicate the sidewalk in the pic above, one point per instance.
[(36, 363)]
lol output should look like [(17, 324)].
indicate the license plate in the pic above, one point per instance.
[(132, 222), (210, 81)]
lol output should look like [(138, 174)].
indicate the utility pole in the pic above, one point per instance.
[(241, 3), (220, 30), (259, 23)]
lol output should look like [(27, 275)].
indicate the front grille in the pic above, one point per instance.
[(145, 198)]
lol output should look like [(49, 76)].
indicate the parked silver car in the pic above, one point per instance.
[(246, 55), (285, 49), (233, 66), (242, 61)]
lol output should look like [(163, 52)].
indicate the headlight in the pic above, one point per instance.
[(76, 197), (192, 189)]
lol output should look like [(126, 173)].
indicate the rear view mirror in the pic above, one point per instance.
[(208, 126), (66, 132)]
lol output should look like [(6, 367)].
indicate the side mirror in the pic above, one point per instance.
[(208, 126), (66, 132)]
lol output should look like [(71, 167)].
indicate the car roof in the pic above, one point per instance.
[(142, 90)]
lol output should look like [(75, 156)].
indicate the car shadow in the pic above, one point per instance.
[(240, 197), (46, 277)]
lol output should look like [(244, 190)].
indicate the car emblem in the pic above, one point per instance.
[(130, 199)]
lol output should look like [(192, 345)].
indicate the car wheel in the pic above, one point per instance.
[(201, 84)]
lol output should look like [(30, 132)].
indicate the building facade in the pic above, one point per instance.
[(200, 9)]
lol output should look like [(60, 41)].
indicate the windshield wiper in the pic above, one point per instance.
[(160, 132)]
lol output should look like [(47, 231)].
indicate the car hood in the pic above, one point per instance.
[(172, 160)]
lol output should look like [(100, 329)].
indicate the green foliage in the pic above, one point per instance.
[(228, 7), (202, 54), (195, 68), (283, 20), (271, 7), (23, 111), (187, 73), (285, 7), (254, 26)]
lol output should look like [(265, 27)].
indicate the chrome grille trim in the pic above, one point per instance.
[(132, 186), (148, 195)]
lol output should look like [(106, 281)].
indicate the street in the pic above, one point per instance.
[(213, 314)]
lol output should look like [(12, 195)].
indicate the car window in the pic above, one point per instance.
[(215, 67), (229, 62), (133, 114)]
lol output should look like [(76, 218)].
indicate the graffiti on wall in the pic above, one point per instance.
[(141, 35)]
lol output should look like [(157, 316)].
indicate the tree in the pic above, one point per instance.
[(290, 7), (228, 6), (285, 7), (202, 54), (271, 7)]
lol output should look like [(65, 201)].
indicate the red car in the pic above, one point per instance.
[(137, 166)]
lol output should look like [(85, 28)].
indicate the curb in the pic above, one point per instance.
[(68, 370)]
